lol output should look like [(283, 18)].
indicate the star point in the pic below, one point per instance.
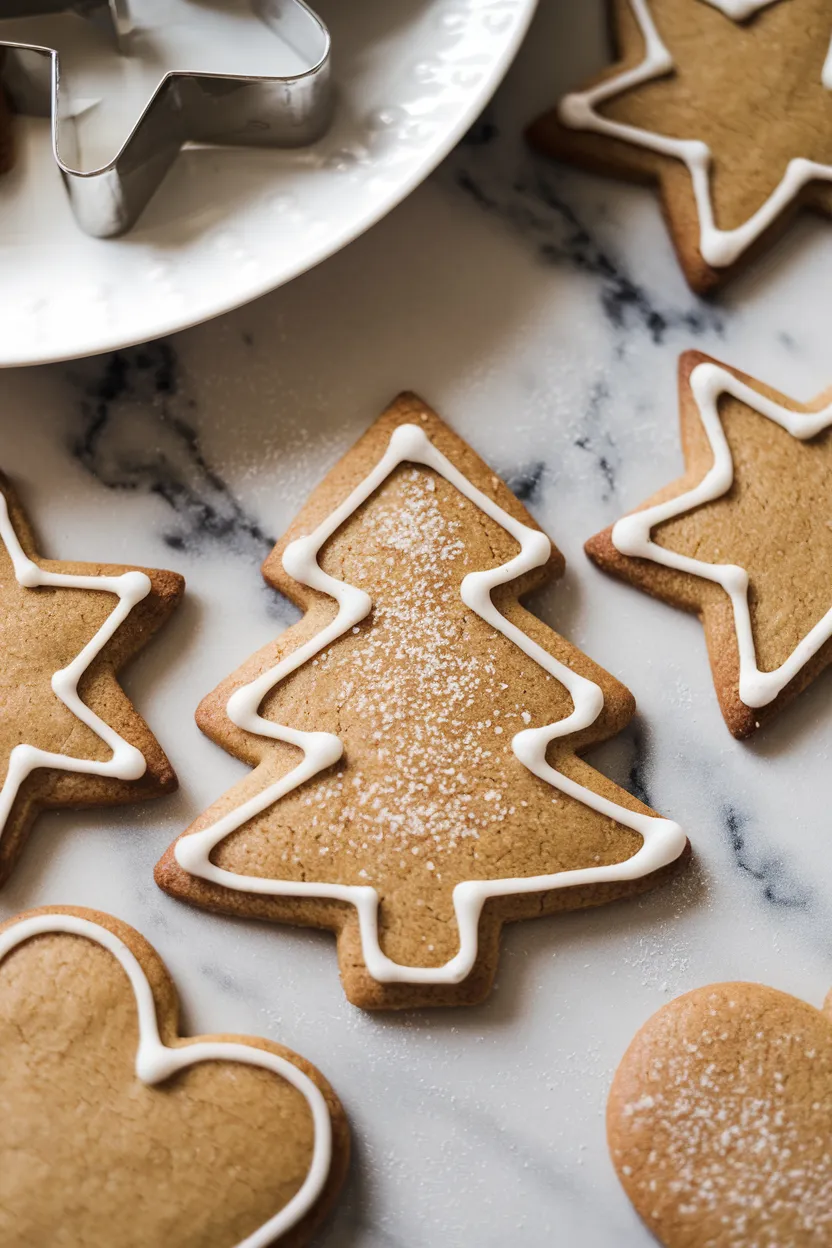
[(655, 112), (68, 734), (677, 535)]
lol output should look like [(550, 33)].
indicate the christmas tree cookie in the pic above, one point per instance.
[(720, 1120), (743, 539), (415, 738), (726, 104), (69, 735), (118, 1133)]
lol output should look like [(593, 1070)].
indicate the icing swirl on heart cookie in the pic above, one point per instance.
[(156, 1062), (663, 840)]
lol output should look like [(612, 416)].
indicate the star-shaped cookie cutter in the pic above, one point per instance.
[(186, 106)]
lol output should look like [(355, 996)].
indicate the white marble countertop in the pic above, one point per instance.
[(541, 311)]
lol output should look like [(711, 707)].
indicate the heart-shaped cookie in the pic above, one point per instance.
[(720, 1120), (116, 1132)]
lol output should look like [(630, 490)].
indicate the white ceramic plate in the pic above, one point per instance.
[(229, 225)]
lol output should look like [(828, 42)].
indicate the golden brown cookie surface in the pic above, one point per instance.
[(743, 538), (422, 829), (735, 151), (720, 1121), (69, 736), (116, 1131)]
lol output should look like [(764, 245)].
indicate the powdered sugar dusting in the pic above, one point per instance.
[(730, 1130), (411, 676)]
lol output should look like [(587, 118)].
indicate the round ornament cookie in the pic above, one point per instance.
[(720, 1120), (416, 736), (116, 1131), (726, 104)]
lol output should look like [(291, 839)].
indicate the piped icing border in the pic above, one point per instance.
[(739, 10), (664, 840), (127, 763), (632, 534), (719, 248), (155, 1062)]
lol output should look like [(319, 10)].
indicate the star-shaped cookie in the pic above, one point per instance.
[(744, 538), (726, 104), (69, 736)]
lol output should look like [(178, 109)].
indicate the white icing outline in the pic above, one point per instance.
[(719, 248), (739, 10), (664, 841), (127, 763), (155, 1062), (631, 535)]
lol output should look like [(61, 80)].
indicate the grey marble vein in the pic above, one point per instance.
[(542, 312), (771, 871), (541, 202), (135, 432)]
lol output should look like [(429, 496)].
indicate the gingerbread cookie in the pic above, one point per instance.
[(726, 104), (69, 736), (116, 1131), (415, 736), (743, 539), (720, 1120)]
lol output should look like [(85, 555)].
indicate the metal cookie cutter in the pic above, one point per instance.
[(242, 110)]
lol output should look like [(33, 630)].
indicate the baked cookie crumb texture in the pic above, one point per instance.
[(438, 790), (720, 1120), (726, 105), (69, 736), (743, 539), (236, 1140)]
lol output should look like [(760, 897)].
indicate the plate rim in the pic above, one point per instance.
[(330, 246)]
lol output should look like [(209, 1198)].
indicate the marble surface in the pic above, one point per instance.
[(542, 312)]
